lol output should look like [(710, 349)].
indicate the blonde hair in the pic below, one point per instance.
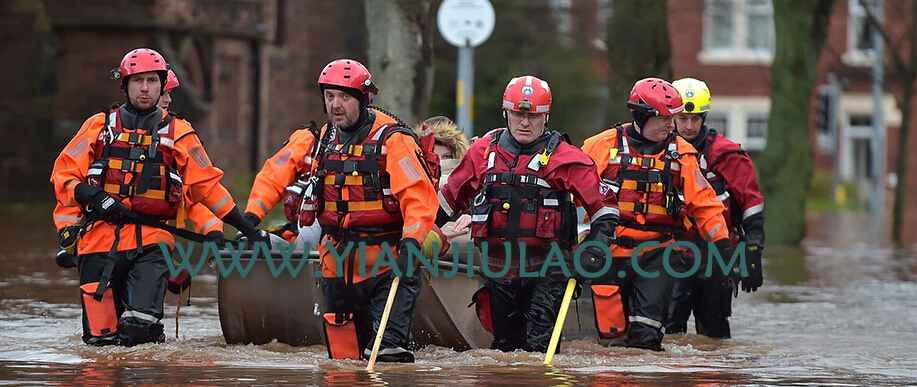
[(447, 134)]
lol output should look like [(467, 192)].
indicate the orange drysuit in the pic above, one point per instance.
[(201, 185), (202, 220), (699, 200), (413, 190)]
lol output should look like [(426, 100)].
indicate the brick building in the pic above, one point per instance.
[(247, 69), (730, 43)]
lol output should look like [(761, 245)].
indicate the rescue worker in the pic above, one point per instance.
[(202, 220), (370, 186), (521, 178), (70, 214), (731, 173), (171, 84), (125, 166), (658, 182)]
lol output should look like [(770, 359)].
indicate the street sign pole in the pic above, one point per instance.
[(464, 102), (465, 24), (878, 122), (834, 91)]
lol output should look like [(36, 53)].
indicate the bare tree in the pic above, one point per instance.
[(638, 47), (400, 36), (901, 51), (785, 166)]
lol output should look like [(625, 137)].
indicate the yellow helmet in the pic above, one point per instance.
[(695, 95)]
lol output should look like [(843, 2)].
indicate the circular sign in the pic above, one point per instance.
[(465, 22)]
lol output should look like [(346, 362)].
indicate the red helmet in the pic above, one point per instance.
[(141, 60), (348, 73), (171, 81), (527, 93), (655, 97)]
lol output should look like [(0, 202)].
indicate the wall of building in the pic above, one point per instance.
[(248, 72)]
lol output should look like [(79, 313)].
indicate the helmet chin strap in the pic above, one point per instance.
[(638, 128)]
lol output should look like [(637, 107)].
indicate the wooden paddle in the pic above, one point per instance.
[(383, 322), (559, 325)]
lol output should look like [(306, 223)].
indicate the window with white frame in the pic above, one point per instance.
[(755, 131), (760, 30), (738, 31), (718, 121), (719, 23), (859, 34)]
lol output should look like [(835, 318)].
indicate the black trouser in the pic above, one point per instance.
[(366, 300), (645, 299), (709, 298), (524, 311), (138, 284)]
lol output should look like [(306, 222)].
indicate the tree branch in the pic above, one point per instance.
[(913, 41), (886, 37)]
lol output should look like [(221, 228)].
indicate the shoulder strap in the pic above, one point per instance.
[(620, 133), (432, 171), (108, 133), (316, 133), (146, 176), (392, 129), (390, 114), (556, 139)]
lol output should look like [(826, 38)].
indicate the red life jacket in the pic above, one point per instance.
[(517, 204), (354, 188), (645, 186), (717, 146), (139, 166)]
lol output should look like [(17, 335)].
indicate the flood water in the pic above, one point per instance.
[(839, 311)]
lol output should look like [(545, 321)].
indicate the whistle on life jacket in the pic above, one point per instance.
[(544, 158)]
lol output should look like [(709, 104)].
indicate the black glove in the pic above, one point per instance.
[(98, 201), (252, 219), (65, 260), (755, 271), (718, 289), (217, 237), (261, 236), (603, 230), (234, 218), (67, 238), (592, 260), (724, 246), (403, 260), (258, 236)]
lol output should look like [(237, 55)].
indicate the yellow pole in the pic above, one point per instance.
[(559, 325), (383, 322)]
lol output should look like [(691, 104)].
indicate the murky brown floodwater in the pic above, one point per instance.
[(837, 312)]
